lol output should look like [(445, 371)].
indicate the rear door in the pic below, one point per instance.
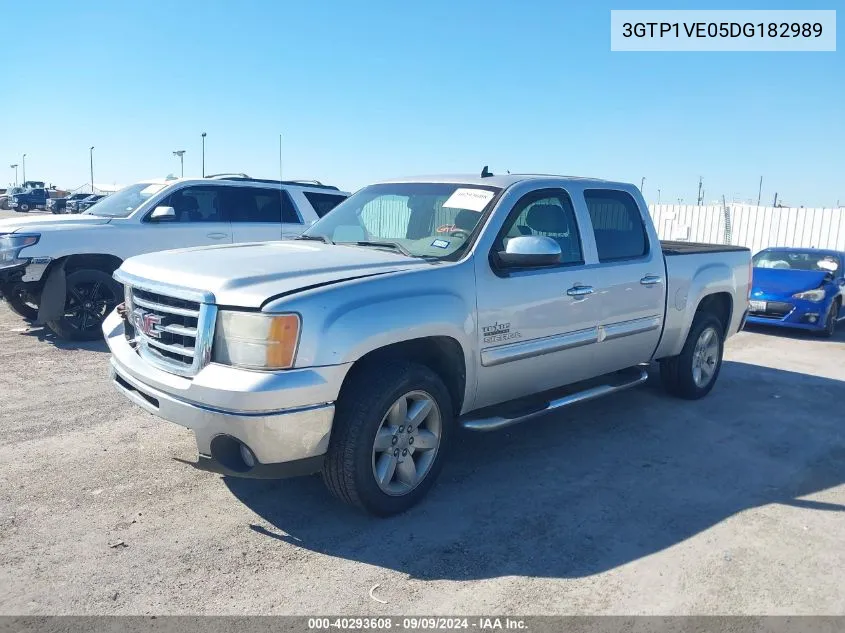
[(255, 213), (629, 279)]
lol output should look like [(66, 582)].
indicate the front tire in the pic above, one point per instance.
[(830, 321), (391, 428), (23, 207), (91, 296), (19, 302), (692, 373)]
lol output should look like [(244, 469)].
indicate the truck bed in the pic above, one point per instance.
[(695, 248)]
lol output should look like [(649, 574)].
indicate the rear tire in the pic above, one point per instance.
[(692, 373), (831, 320), (91, 296), (361, 468)]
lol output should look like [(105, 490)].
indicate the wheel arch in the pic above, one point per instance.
[(53, 288), (720, 304), (442, 354)]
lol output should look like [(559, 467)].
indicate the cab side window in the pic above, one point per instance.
[(323, 202), (197, 204), (253, 204), (548, 213), (617, 224)]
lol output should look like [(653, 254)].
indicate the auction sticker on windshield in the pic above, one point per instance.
[(470, 199)]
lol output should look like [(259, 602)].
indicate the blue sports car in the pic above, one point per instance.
[(799, 288)]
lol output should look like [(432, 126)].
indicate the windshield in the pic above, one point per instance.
[(125, 201), (797, 260), (418, 219)]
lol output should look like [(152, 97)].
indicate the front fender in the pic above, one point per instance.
[(353, 329)]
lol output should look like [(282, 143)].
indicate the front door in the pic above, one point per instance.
[(538, 327), (200, 220)]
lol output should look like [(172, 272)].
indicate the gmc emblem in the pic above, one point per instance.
[(146, 322)]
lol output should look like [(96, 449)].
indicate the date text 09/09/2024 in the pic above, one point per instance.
[(420, 623), (721, 29)]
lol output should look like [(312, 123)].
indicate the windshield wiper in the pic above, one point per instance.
[(392, 245), (315, 238)]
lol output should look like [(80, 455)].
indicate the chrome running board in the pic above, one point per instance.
[(618, 381)]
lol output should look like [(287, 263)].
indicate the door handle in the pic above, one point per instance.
[(580, 291), (218, 236), (651, 280)]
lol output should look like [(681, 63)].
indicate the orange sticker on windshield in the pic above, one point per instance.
[(446, 228)]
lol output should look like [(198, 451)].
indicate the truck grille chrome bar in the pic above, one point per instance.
[(174, 334)]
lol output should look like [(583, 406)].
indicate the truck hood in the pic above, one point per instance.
[(248, 275), (40, 223), (783, 281)]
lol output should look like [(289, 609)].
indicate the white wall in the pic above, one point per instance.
[(751, 226)]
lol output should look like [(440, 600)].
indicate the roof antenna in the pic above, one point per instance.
[(485, 173)]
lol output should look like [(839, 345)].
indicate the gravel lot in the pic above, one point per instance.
[(638, 504)]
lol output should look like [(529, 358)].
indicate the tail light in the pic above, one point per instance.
[(750, 277)]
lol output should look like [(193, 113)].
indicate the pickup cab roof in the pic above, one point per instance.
[(503, 180)]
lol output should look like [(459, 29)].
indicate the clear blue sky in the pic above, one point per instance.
[(369, 90)]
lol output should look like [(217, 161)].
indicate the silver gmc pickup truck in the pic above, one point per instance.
[(414, 307)]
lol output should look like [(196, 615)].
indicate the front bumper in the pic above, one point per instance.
[(284, 418), (11, 274), (792, 313)]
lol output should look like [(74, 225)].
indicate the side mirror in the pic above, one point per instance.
[(530, 250), (163, 213)]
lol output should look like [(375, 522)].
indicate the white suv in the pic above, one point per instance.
[(57, 270)]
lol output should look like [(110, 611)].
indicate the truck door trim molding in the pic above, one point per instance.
[(627, 328), (537, 347)]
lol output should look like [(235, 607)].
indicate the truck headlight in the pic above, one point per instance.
[(11, 245), (810, 295), (255, 340)]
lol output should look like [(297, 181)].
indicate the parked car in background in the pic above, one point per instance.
[(6, 197), (798, 288), (78, 206), (415, 306), (29, 199), (59, 205), (57, 269)]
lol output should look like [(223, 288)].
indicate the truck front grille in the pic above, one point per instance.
[(174, 334)]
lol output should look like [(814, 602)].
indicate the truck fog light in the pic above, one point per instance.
[(247, 456), (812, 318)]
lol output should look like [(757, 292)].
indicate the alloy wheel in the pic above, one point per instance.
[(406, 443), (705, 357)]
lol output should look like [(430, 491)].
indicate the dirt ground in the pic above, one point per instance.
[(638, 504)]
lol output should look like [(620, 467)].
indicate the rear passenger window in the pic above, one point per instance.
[(251, 204), (323, 202), (617, 223), (548, 213)]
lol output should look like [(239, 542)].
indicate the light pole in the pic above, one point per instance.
[(181, 154), (203, 154), (91, 156), (15, 167), (642, 184), (24, 167), (658, 196)]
